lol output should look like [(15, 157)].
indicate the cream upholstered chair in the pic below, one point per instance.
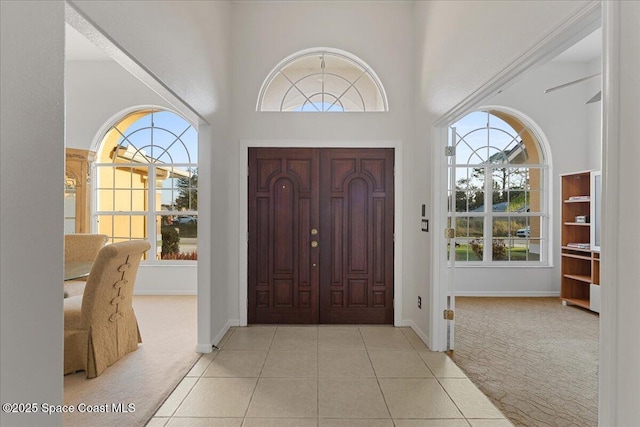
[(81, 247), (100, 326)]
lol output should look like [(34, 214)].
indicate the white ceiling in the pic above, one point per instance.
[(586, 50), (78, 48)]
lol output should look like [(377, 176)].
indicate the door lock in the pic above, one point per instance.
[(314, 243), (314, 231)]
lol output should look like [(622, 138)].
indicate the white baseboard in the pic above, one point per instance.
[(424, 337), (208, 347), (164, 292), (508, 293), (224, 330), (204, 348)]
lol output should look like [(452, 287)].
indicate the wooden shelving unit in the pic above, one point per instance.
[(580, 282)]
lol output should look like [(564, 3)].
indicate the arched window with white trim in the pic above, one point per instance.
[(322, 80), (501, 190), (147, 183)]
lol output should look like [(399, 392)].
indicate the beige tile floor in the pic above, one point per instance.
[(326, 376)]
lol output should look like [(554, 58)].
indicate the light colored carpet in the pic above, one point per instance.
[(146, 376), (536, 359)]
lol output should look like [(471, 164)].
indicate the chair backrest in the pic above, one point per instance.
[(109, 288), (83, 247)]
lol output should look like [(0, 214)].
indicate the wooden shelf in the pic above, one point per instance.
[(580, 266), (570, 248), (584, 257), (578, 277)]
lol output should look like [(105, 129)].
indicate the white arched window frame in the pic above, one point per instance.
[(145, 184), (501, 194), (322, 80)]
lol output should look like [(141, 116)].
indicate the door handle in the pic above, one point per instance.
[(314, 231), (314, 243)]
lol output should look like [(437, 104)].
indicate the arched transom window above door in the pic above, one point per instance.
[(322, 80)]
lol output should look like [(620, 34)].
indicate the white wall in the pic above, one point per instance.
[(31, 211), (564, 118), (264, 33), (594, 117), (620, 338)]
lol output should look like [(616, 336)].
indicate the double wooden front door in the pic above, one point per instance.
[(320, 235)]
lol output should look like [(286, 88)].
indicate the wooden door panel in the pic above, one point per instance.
[(357, 229), (356, 199), (283, 205), (283, 222)]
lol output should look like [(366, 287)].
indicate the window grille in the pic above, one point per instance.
[(499, 191), (322, 80), (147, 183)]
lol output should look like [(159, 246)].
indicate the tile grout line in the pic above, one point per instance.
[(246, 411), (384, 399), (196, 383), (452, 400)]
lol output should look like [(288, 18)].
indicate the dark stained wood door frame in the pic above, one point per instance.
[(350, 288)]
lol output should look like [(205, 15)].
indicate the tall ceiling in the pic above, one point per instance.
[(78, 48), (586, 50)]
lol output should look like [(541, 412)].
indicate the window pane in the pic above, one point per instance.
[(518, 178), (178, 239), (510, 190), (470, 190), (354, 99), (104, 200), (472, 147), (535, 241), (469, 227), (469, 249), (123, 227), (178, 188), (513, 239), (534, 224), (518, 201), (468, 242)]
